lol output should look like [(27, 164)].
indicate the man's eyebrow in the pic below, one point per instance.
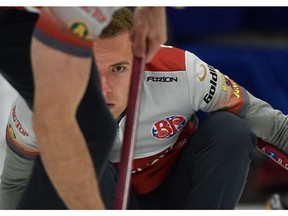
[(120, 63)]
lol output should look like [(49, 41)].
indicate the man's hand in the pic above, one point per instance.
[(149, 31)]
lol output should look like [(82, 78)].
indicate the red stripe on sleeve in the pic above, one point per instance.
[(50, 25), (165, 60)]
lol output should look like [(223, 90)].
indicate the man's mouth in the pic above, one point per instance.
[(110, 105)]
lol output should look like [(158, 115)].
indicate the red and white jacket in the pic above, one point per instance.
[(176, 84)]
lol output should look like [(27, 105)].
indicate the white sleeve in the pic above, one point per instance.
[(210, 90), (268, 123)]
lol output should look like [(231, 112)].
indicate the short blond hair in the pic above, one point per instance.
[(122, 21)]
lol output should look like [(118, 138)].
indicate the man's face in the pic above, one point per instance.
[(114, 62)]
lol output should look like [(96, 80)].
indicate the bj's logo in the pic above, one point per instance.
[(168, 127)]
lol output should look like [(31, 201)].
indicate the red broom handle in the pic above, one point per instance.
[(127, 153)]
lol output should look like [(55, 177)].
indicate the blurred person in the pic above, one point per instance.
[(67, 92), (179, 162)]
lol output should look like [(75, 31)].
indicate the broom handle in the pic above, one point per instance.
[(127, 153)]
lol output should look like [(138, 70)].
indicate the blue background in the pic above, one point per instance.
[(249, 44)]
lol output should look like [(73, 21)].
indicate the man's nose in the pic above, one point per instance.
[(106, 89)]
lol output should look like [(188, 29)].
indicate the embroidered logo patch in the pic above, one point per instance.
[(80, 29), (168, 127)]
